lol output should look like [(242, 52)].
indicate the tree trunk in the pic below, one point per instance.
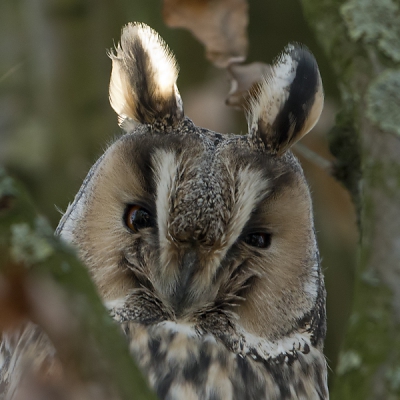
[(362, 41)]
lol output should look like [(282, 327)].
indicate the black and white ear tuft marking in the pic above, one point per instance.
[(289, 101), (143, 79)]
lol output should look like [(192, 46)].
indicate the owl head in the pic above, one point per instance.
[(187, 221)]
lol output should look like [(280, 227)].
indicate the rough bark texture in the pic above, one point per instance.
[(362, 41), (45, 280)]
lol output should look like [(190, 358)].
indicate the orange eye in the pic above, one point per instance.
[(137, 217), (260, 240)]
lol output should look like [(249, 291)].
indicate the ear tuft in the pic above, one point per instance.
[(289, 101), (143, 79)]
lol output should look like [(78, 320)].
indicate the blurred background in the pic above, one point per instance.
[(55, 118)]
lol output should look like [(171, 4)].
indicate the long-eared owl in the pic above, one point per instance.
[(202, 244)]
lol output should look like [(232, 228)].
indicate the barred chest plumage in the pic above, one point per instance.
[(182, 362)]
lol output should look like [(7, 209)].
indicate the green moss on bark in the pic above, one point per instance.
[(371, 342), (362, 40), (383, 101), (344, 144), (374, 22), (29, 246)]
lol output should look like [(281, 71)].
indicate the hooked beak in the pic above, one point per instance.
[(182, 297)]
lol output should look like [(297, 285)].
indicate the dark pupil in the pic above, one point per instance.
[(261, 240), (140, 219)]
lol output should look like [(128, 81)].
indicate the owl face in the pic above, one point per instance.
[(184, 221), (201, 218)]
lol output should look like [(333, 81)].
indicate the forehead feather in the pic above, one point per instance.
[(194, 145)]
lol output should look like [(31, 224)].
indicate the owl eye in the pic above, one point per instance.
[(258, 239), (137, 218)]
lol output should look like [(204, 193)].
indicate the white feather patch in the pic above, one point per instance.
[(179, 327), (162, 60), (297, 341), (250, 345), (166, 169), (274, 90), (289, 101), (156, 74), (251, 187), (116, 303)]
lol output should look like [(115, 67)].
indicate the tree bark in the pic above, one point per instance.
[(362, 41)]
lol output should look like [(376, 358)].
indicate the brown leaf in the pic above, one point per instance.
[(6, 202), (14, 304), (219, 24), (24, 296), (244, 81)]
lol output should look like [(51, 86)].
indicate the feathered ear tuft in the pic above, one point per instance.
[(143, 79), (289, 101)]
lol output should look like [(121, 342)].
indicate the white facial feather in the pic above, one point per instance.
[(166, 169), (251, 186)]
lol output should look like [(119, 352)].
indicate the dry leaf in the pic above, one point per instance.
[(219, 24), (14, 304), (6, 202)]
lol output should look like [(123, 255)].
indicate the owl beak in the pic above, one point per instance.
[(182, 297)]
